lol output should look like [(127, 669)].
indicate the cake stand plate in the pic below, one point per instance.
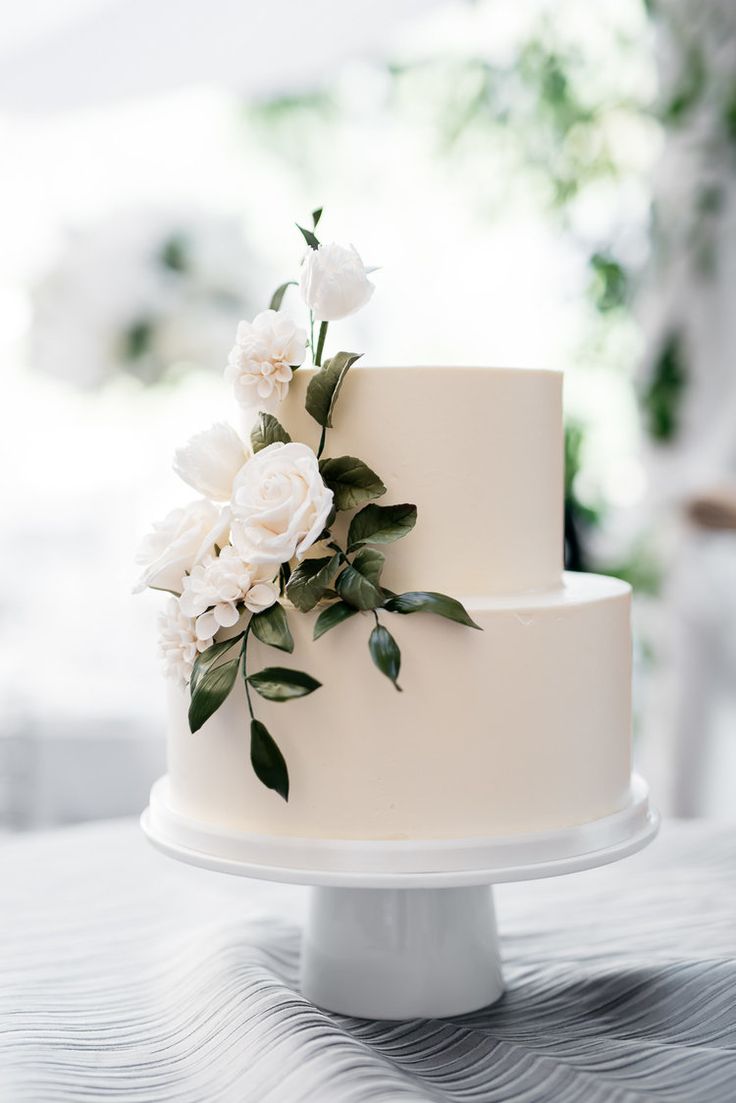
[(400, 929)]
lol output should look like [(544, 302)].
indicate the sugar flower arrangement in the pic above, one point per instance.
[(258, 546)]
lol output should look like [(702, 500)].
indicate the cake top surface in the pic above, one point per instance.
[(502, 370), (576, 589)]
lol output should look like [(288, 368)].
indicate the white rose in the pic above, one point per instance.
[(334, 282), (178, 642), (280, 504), (176, 544), (261, 361), (213, 589), (210, 461)]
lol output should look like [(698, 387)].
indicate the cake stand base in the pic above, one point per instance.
[(401, 953), (401, 929)]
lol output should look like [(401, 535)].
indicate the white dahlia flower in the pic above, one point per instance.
[(214, 588), (178, 642), (261, 360)]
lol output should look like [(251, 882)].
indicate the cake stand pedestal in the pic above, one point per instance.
[(402, 929)]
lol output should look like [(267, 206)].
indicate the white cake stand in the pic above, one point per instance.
[(401, 929)]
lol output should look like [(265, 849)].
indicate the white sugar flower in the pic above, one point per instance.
[(261, 360), (176, 544), (210, 461), (280, 504), (334, 282), (261, 595), (178, 642), (214, 588)]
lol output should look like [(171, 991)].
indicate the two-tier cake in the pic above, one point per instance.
[(522, 727)]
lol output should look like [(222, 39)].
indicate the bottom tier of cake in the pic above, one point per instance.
[(521, 728)]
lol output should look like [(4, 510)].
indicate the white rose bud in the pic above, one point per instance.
[(280, 504), (210, 461), (179, 542), (261, 360), (334, 282)]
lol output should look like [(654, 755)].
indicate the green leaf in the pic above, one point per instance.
[(381, 524), (268, 430), (331, 617), (663, 398), (370, 564), (175, 253), (280, 683), (278, 296), (361, 589), (351, 481), (316, 215), (308, 236), (421, 601), (385, 653), (324, 387), (271, 627), (210, 691), (310, 581), (267, 760), (206, 659)]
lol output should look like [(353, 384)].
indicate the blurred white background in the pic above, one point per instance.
[(547, 183)]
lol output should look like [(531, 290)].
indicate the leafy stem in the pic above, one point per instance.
[(320, 344), (284, 575), (245, 668), (336, 548), (317, 357)]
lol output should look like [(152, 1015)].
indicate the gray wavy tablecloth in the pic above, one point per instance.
[(127, 977)]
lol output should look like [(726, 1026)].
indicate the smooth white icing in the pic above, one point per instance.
[(478, 450), (519, 728)]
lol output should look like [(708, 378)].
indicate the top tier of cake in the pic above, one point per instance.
[(480, 453)]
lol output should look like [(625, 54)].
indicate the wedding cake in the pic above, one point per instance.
[(343, 668)]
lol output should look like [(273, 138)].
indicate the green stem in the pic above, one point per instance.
[(317, 357), (336, 548), (375, 614), (320, 344), (245, 670), (311, 334), (284, 576)]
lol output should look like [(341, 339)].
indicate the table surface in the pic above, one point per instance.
[(127, 977)]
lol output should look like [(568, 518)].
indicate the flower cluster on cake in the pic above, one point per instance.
[(280, 529)]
